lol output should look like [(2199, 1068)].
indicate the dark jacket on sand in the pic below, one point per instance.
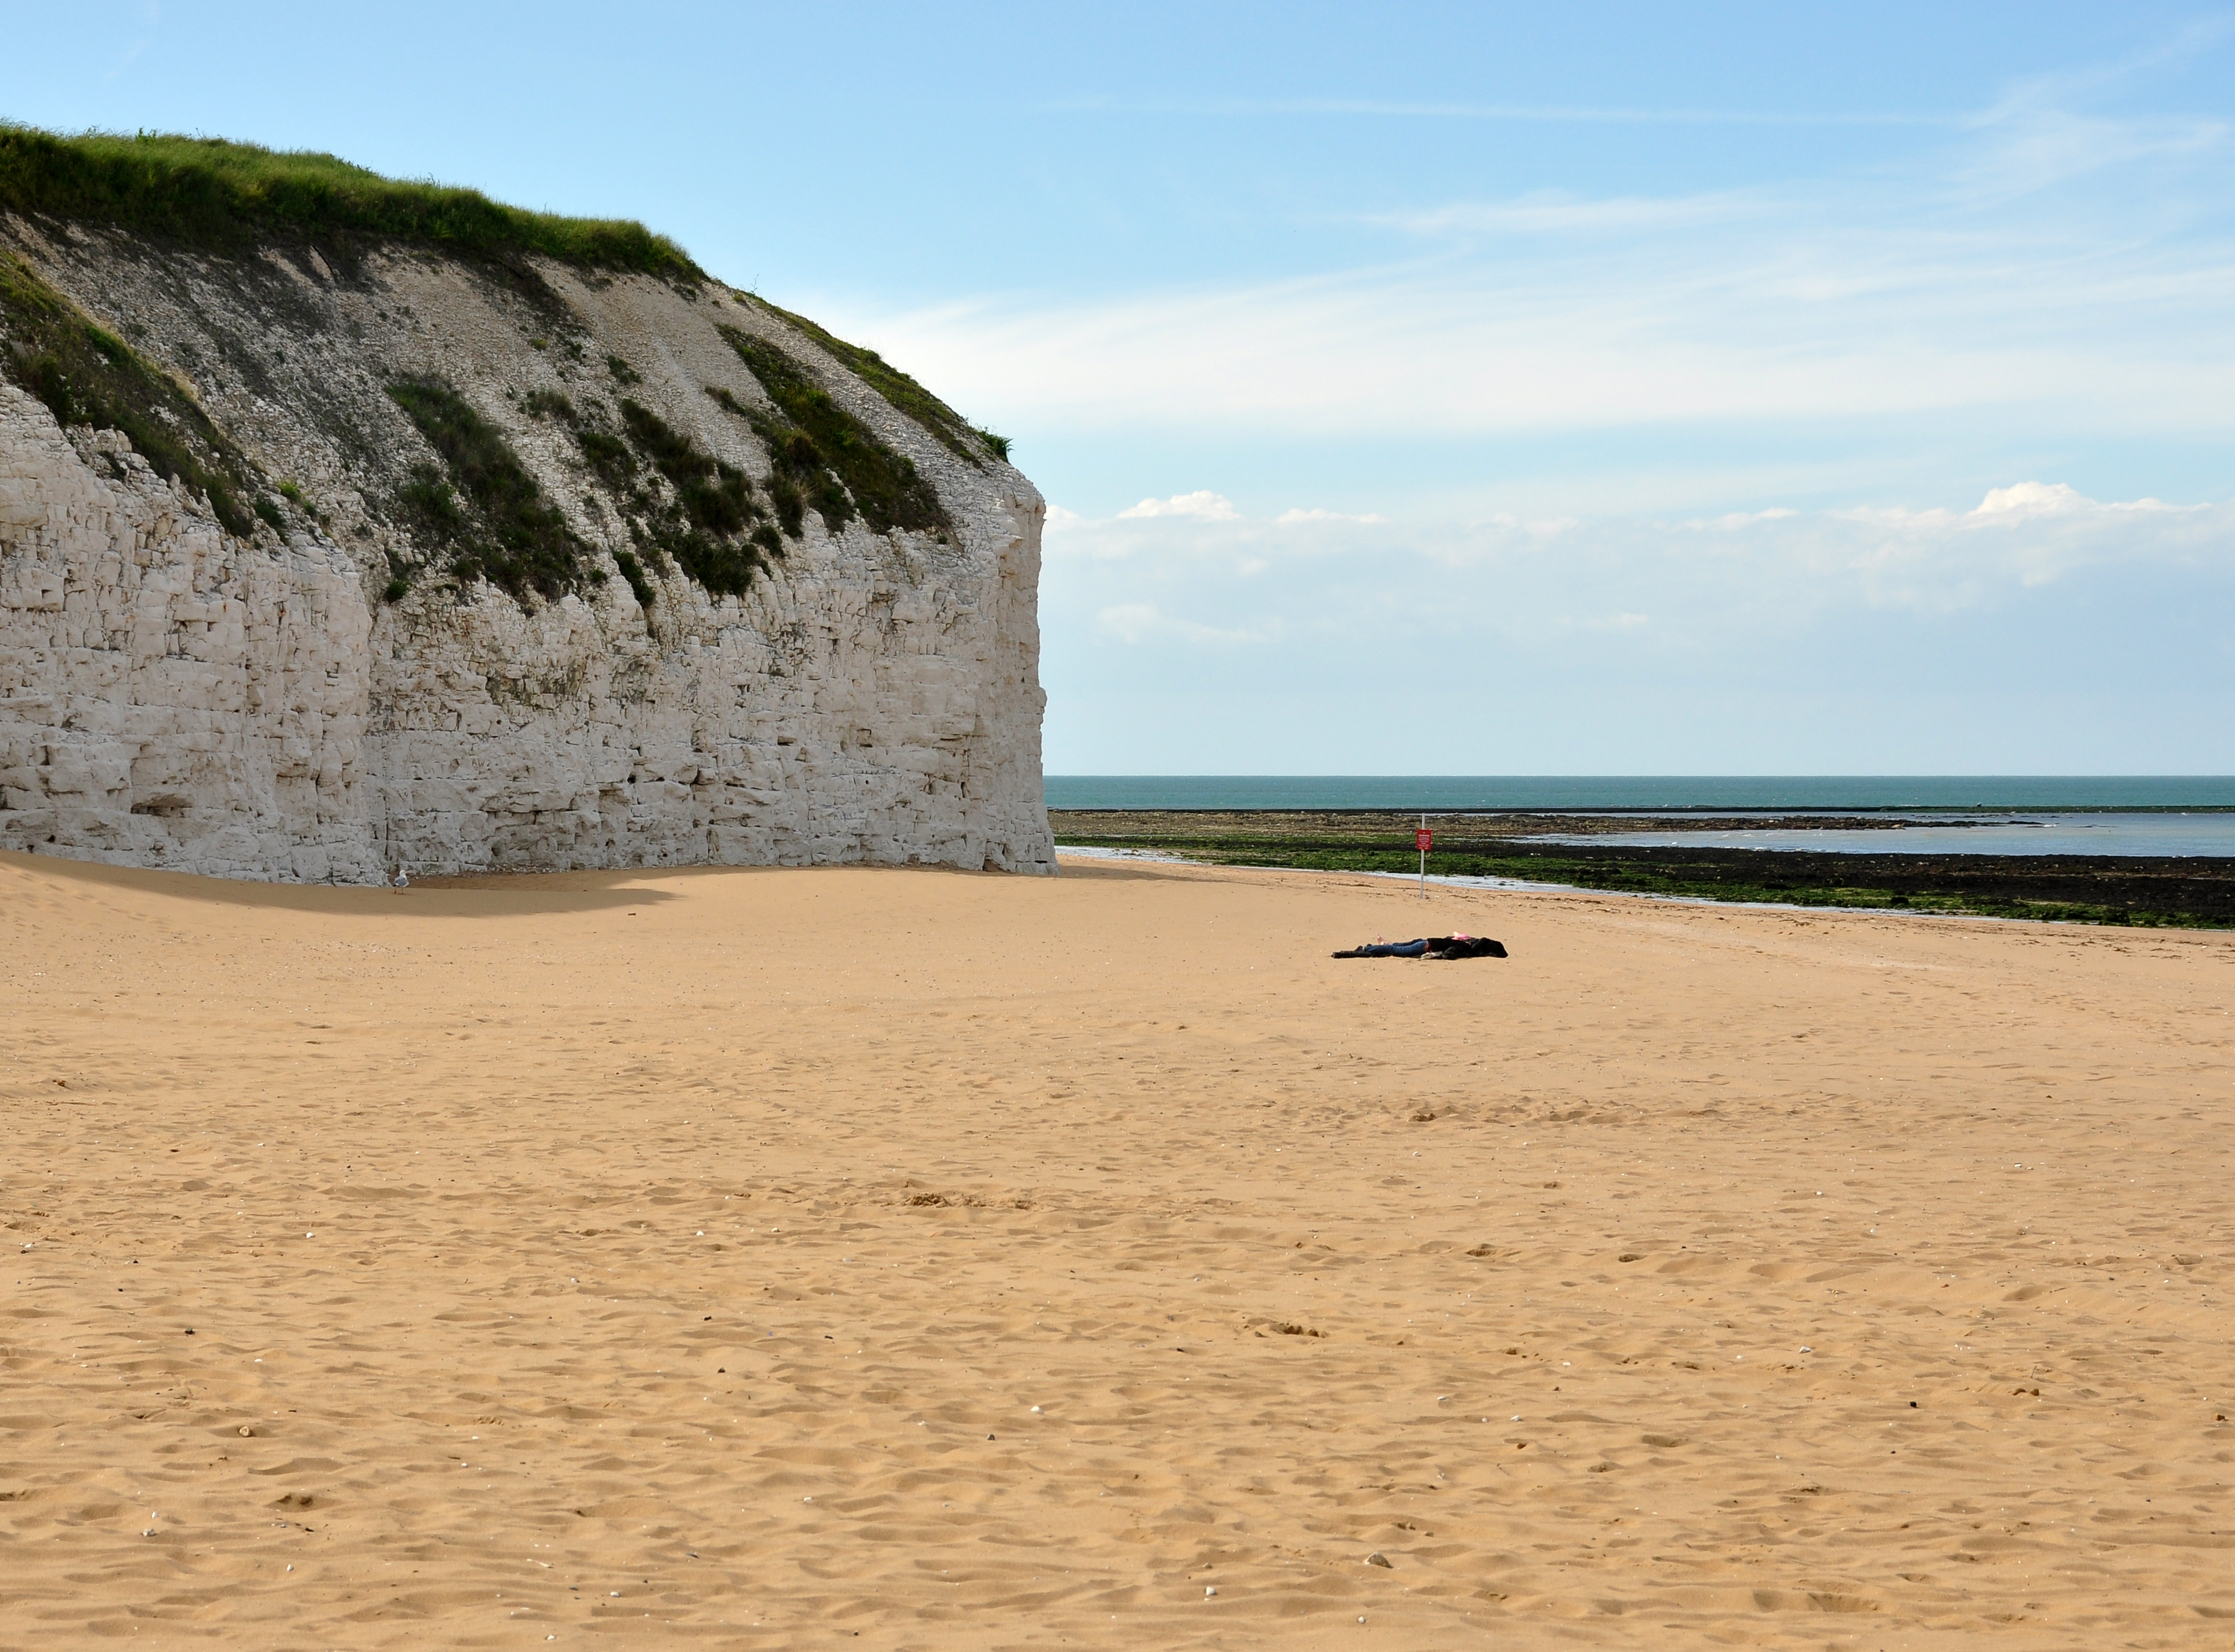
[(1446, 947)]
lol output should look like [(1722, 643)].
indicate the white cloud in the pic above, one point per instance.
[(2027, 535), (1733, 520), (1598, 644), (1292, 517), (1206, 578), (1202, 503)]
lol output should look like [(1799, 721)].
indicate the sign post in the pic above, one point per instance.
[(1421, 839)]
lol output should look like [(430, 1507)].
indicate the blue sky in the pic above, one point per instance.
[(1499, 389)]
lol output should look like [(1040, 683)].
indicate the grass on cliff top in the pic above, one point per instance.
[(229, 195)]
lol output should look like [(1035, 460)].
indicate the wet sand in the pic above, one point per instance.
[(789, 1258)]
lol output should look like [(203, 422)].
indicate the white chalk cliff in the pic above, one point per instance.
[(322, 697)]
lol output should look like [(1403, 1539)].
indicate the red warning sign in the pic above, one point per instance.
[(1424, 840)]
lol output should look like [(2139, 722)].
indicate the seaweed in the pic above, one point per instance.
[(2143, 892)]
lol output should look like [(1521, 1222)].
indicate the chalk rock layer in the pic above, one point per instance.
[(315, 699)]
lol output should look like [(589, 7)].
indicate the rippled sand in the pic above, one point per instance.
[(776, 1258)]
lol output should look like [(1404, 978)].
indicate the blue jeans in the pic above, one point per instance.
[(1394, 949)]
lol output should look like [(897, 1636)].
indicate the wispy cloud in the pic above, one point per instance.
[(1134, 623), (2068, 271), (148, 14), (2076, 335), (1556, 212)]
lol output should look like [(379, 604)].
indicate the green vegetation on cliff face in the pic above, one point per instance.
[(632, 571), (708, 527), (897, 387), (230, 195), (504, 531), (681, 503), (480, 512), (818, 445), (87, 375)]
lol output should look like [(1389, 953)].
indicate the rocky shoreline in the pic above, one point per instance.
[(2177, 891), (1360, 825)]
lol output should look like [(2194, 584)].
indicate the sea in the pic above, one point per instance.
[(1998, 815)]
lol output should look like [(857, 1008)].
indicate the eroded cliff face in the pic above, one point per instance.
[(332, 689)]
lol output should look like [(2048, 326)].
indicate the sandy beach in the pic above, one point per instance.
[(802, 1258)]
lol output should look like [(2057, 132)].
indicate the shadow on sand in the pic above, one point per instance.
[(514, 894), (488, 895)]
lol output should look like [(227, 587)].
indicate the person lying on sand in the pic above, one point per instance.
[(1446, 947)]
